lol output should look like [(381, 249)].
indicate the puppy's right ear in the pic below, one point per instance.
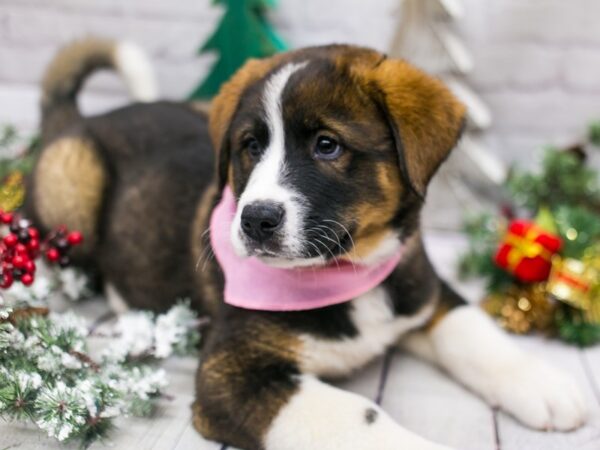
[(225, 105)]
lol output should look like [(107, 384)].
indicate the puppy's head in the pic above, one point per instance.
[(329, 151)]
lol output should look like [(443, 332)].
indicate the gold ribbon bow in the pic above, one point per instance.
[(525, 247)]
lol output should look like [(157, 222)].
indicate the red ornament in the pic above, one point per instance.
[(33, 245), (10, 240), (6, 280), (30, 266), (20, 249), (6, 218), (21, 246), (19, 261), (526, 251), (75, 238), (27, 279), (52, 254)]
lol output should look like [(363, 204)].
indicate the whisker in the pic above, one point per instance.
[(335, 222), (323, 234), (207, 253), (211, 255), (339, 242), (329, 250)]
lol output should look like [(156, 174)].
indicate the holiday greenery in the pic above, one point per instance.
[(48, 377), (540, 255), (242, 33), (17, 154)]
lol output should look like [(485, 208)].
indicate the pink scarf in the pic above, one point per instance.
[(251, 284)]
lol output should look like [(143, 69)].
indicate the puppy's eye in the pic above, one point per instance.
[(252, 146), (327, 148)]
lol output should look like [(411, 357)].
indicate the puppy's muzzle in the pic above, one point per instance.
[(261, 220)]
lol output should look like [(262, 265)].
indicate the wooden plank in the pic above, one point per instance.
[(514, 436), (428, 402), (366, 381), (27, 436), (191, 440)]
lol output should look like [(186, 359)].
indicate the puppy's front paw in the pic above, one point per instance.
[(321, 416), (539, 395)]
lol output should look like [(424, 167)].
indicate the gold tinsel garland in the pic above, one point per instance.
[(12, 191), (522, 309)]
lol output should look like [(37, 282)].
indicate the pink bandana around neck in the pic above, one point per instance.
[(251, 284)]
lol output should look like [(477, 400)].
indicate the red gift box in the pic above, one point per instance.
[(526, 251)]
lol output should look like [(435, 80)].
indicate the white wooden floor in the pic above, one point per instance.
[(415, 394)]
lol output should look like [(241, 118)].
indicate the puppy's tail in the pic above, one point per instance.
[(75, 62)]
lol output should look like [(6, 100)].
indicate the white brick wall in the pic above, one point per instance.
[(537, 61)]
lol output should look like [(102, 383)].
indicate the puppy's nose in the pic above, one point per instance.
[(261, 219)]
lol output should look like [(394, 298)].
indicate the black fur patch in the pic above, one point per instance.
[(371, 416)]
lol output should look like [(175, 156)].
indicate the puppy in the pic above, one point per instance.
[(303, 244)]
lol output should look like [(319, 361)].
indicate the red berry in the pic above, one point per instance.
[(27, 279), (10, 240), (20, 249), (19, 261), (6, 280), (33, 245), (52, 254), (6, 218), (30, 266), (75, 237), (34, 233)]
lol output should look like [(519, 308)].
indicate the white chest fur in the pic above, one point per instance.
[(377, 329)]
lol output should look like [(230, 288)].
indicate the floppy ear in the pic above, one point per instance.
[(425, 118), (226, 103)]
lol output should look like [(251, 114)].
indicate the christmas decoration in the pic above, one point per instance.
[(526, 251), (12, 191), (543, 269), (426, 36), (21, 246), (243, 33), (571, 281), (16, 159), (48, 376), (521, 309)]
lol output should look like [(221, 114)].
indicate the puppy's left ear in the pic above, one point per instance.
[(425, 118)]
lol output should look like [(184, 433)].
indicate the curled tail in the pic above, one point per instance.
[(75, 62)]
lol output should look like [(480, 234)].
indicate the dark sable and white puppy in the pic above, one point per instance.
[(329, 150)]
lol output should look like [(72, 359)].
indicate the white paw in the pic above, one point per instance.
[(539, 395), (324, 417), (470, 346)]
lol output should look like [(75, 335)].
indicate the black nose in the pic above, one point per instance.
[(261, 219)]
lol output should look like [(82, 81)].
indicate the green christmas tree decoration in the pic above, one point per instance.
[(562, 198), (594, 133), (243, 33)]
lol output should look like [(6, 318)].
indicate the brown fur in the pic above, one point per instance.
[(70, 180), (207, 281), (427, 116), (225, 104), (231, 382), (64, 77), (373, 221), (159, 195), (428, 120)]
